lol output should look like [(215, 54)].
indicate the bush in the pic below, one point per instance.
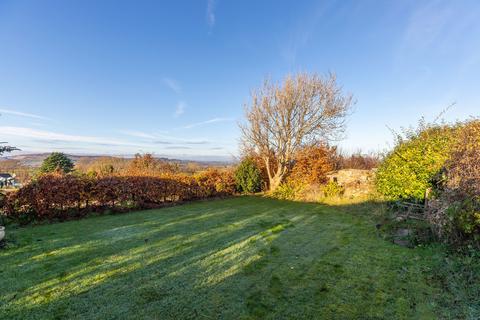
[(409, 170), (312, 164), (290, 190), (214, 181), (462, 171), (465, 216), (57, 161), (332, 189), (248, 177), (57, 196), (455, 214)]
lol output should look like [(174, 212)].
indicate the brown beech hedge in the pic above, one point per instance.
[(62, 197)]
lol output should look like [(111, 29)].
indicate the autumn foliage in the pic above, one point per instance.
[(148, 165), (463, 167), (58, 196), (312, 163)]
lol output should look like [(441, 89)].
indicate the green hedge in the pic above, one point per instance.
[(410, 169)]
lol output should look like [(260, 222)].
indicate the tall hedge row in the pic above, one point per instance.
[(55, 196), (411, 168)]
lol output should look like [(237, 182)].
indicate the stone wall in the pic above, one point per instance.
[(356, 182)]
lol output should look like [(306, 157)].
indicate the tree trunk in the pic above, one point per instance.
[(275, 178), (275, 181)]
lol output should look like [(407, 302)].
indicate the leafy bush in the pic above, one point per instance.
[(215, 181), (455, 213), (462, 171), (57, 161), (312, 164), (456, 222), (465, 216), (248, 177), (290, 190), (332, 189), (409, 170), (57, 196)]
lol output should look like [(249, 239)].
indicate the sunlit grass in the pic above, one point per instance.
[(242, 258)]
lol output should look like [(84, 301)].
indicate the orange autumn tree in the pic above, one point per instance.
[(312, 163)]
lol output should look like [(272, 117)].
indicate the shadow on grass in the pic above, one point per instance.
[(242, 258)]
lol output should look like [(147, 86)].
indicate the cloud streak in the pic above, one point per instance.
[(211, 14), (138, 134), (301, 34), (214, 120), (54, 137), (178, 148), (23, 114), (172, 85), (161, 138), (47, 141)]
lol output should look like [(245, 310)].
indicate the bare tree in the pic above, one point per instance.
[(281, 118)]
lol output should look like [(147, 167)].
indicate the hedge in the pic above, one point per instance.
[(55, 196), (410, 169)]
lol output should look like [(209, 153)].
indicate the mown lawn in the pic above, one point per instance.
[(241, 258)]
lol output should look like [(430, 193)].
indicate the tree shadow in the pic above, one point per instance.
[(249, 257)]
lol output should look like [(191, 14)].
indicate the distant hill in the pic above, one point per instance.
[(36, 159)]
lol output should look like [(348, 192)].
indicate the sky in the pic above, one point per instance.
[(172, 77)]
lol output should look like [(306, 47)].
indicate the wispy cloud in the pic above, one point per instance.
[(173, 85), (161, 138), (180, 109), (214, 120), (178, 148), (162, 142), (138, 134), (22, 114), (301, 34), (54, 137), (434, 32), (211, 13), (427, 27), (33, 140), (197, 142)]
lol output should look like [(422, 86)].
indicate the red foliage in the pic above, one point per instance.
[(55, 196), (312, 163), (214, 181)]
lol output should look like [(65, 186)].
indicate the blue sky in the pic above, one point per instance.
[(171, 77)]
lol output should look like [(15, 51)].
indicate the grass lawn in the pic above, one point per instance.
[(240, 258)]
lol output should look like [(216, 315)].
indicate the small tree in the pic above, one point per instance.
[(248, 177), (304, 110), (57, 161)]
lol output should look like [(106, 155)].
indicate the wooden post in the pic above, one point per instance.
[(427, 195)]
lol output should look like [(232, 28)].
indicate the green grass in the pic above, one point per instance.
[(241, 258)]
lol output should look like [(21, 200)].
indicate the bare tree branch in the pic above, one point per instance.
[(281, 118)]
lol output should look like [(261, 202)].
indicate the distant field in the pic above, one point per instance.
[(242, 258)]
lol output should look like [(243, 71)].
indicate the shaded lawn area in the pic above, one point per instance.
[(240, 258)]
